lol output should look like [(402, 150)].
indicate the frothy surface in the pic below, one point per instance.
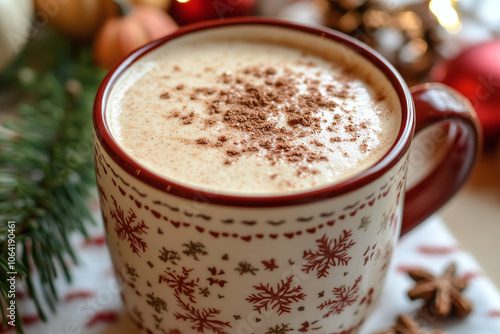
[(252, 116)]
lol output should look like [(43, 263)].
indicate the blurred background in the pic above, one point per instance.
[(54, 54)]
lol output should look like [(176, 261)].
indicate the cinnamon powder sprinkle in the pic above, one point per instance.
[(233, 153), (187, 119), (222, 139), (253, 99), (165, 96), (202, 141)]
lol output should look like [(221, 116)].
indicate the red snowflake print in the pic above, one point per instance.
[(344, 297), (174, 331), (127, 228), (203, 320), (280, 299), (494, 313), (219, 282), (279, 329), (307, 326), (102, 194), (352, 329), (371, 253), (270, 265), (214, 271), (214, 280), (97, 164), (368, 298), (387, 255), (181, 283), (328, 253)]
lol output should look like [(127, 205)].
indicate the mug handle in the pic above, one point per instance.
[(436, 103)]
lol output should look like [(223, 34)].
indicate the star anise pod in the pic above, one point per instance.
[(406, 325), (443, 294)]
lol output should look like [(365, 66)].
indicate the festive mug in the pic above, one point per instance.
[(312, 262)]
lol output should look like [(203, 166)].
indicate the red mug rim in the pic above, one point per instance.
[(395, 153)]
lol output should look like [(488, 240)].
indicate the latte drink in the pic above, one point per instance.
[(240, 110)]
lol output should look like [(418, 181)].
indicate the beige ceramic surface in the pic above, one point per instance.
[(473, 215)]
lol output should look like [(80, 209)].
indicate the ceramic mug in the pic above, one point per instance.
[(313, 262)]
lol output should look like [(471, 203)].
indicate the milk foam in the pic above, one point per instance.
[(161, 111)]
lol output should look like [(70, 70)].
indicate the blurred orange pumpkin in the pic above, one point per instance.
[(121, 35), (79, 19)]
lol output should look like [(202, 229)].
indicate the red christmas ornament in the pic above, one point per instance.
[(190, 11), (475, 73)]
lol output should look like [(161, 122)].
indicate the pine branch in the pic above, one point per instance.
[(46, 169)]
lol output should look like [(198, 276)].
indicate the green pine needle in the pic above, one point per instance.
[(46, 167)]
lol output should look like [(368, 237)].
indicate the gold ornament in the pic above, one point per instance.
[(406, 35), (78, 19)]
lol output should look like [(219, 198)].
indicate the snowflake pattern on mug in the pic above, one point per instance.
[(185, 283), (329, 253), (202, 320), (344, 297), (279, 298), (128, 229)]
